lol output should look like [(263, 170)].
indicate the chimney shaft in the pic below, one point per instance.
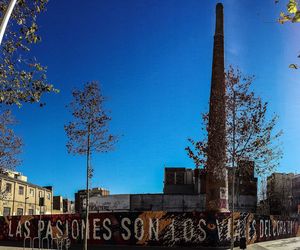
[(217, 182)]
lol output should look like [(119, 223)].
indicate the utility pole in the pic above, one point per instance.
[(6, 18)]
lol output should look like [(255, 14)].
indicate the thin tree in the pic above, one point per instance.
[(22, 78), (10, 145), (88, 132), (263, 202), (250, 132), (250, 135)]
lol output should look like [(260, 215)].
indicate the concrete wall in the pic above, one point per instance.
[(179, 189), (116, 203), (146, 202), (149, 202), (245, 203), (165, 202), (158, 228)]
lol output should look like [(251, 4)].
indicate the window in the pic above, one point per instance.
[(30, 211), (21, 190), (31, 192), (20, 211), (40, 194), (8, 187), (6, 211), (48, 196)]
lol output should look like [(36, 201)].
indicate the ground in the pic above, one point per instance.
[(283, 244)]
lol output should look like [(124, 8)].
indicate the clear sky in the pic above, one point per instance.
[(153, 59)]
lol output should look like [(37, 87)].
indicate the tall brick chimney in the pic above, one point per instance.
[(216, 180)]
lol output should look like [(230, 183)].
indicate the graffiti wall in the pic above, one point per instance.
[(151, 228)]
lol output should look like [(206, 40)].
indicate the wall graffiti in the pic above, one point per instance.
[(151, 228)]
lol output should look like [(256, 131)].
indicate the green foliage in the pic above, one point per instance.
[(293, 66), (292, 14), (22, 79), (292, 7)]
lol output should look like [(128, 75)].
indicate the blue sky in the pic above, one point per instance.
[(153, 60)]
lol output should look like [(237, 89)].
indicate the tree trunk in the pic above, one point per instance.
[(233, 171), (87, 192)]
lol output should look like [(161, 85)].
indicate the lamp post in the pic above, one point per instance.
[(6, 18), (26, 198)]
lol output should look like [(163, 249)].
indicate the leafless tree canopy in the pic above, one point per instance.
[(10, 144), (250, 132), (90, 122)]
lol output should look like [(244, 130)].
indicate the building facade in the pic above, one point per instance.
[(19, 197), (184, 191), (181, 181), (68, 206), (193, 182), (245, 187), (148, 202), (80, 197), (296, 194), (62, 205), (58, 205), (279, 193)]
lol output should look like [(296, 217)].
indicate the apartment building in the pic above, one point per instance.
[(19, 197)]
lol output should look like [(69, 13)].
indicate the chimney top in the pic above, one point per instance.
[(219, 5), (219, 20)]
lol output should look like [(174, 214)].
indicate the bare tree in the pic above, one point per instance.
[(250, 135), (88, 132), (263, 202), (22, 78), (10, 145)]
